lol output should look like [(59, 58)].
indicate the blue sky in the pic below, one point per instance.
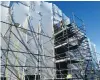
[(89, 12)]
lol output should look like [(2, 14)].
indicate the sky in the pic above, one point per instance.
[(87, 11)]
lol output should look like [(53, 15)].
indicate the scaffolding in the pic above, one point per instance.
[(73, 54), (42, 44)]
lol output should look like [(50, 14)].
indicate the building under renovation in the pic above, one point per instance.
[(39, 42)]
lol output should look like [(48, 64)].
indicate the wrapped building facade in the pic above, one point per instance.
[(38, 42)]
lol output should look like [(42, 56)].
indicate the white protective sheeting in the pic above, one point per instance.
[(11, 58), (31, 40), (58, 16), (65, 19), (3, 29), (19, 12)]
